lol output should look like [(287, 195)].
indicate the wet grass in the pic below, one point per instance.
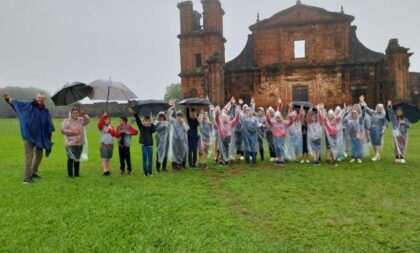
[(373, 207)]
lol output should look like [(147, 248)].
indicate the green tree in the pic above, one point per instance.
[(173, 91)]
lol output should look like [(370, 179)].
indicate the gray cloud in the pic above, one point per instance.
[(46, 43)]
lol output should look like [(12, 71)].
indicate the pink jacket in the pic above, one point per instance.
[(279, 128), (225, 129), (69, 126)]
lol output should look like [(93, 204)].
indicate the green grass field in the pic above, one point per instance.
[(373, 207)]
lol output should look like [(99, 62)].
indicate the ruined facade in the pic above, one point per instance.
[(302, 53)]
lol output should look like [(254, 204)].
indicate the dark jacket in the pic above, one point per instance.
[(193, 124), (146, 133)]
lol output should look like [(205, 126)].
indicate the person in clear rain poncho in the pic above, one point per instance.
[(249, 134), (315, 135), (269, 136), (206, 128), (179, 139), (378, 124), (262, 128), (279, 128), (400, 126), (294, 138), (162, 142), (73, 129), (333, 125), (225, 130), (355, 130)]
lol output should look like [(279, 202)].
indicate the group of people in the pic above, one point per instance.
[(238, 132)]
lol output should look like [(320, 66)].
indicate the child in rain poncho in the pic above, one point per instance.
[(73, 129), (279, 128), (262, 127), (162, 142), (179, 139), (225, 129), (378, 123), (315, 133), (269, 136), (332, 123), (205, 139), (295, 138), (400, 126), (355, 131), (249, 133)]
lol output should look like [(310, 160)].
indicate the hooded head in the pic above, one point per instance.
[(75, 112), (380, 108), (179, 116), (354, 113), (399, 112), (331, 114), (162, 116), (277, 116), (260, 111)]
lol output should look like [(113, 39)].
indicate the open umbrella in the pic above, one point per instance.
[(150, 107), (110, 90), (195, 102), (306, 105), (71, 93), (411, 112)]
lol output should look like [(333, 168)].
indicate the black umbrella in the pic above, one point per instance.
[(150, 107), (71, 93), (195, 102), (411, 112), (306, 105)]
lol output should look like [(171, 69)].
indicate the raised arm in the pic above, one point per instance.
[(101, 122), (138, 121), (268, 117), (86, 119)]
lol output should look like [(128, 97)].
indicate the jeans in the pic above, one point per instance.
[(279, 146), (356, 147), (253, 155), (147, 160), (297, 145)]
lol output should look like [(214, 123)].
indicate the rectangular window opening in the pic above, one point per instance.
[(198, 62), (300, 51)]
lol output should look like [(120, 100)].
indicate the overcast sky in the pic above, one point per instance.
[(47, 43)]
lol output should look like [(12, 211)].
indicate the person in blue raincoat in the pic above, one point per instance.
[(36, 128)]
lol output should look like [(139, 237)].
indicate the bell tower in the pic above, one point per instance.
[(202, 49)]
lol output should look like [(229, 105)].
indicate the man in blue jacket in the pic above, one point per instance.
[(36, 128)]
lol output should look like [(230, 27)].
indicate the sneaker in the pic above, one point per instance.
[(272, 159), (36, 176), (129, 173), (403, 161), (307, 161), (346, 155), (374, 159), (242, 158), (122, 173), (359, 160), (28, 181), (303, 161), (352, 160), (397, 160)]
